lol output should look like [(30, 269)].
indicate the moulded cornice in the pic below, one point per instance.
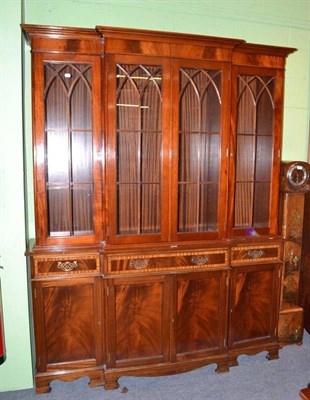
[(57, 32), (105, 32), (171, 37), (265, 49)]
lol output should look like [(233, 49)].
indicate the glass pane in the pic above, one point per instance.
[(81, 101), (128, 102), (246, 116), (150, 205), (57, 156), (139, 148), (245, 158), (128, 209), (208, 209), (151, 107), (261, 204), (55, 93), (82, 200), (188, 207), (211, 106), (81, 159), (68, 120), (264, 150), (189, 105), (265, 107), (128, 146), (254, 150), (151, 157), (199, 149), (59, 211), (210, 157), (189, 149), (243, 204)]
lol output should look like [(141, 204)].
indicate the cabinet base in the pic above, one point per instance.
[(223, 362), (43, 380), (112, 375), (272, 350)]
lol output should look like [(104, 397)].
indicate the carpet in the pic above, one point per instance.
[(255, 378)]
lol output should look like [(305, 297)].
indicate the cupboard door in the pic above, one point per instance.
[(200, 140), (138, 141), (138, 327), (254, 304), (68, 321), (200, 314), (67, 143), (257, 120)]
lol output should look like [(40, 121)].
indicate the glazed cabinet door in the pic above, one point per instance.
[(254, 304), (200, 98), (138, 321), (167, 142), (257, 101), (199, 314), (138, 148), (68, 324), (67, 143)]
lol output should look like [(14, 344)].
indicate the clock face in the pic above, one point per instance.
[(297, 175)]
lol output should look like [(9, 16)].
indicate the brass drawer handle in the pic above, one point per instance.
[(139, 263), (292, 259), (200, 260), (67, 266), (254, 254)]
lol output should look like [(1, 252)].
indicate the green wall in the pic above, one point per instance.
[(16, 372), (274, 22)]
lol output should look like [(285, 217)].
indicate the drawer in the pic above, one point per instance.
[(257, 253), (133, 263), (66, 264)]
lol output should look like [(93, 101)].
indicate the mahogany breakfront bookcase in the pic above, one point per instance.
[(156, 181)]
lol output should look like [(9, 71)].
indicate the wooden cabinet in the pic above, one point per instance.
[(68, 317), (254, 298), (75, 328), (137, 169), (67, 137), (253, 304), (200, 104), (256, 139), (156, 180), (166, 119)]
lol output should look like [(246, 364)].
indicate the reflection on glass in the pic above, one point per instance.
[(139, 148), (199, 149), (255, 111), (68, 132)]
